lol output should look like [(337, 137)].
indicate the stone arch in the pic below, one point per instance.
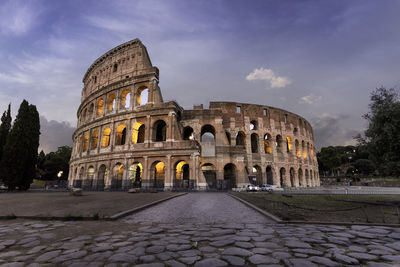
[(88, 182), (181, 174), (303, 148), (270, 178), (138, 133), (100, 107), (105, 139), (253, 125), (311, 178), (300, 177), (159, 131), (85, 141), (267, 144), (120, 135), (207, 133), (254, 143), (142, 97), (288, 144), (210, 175), (91, 111), (228, 137), (240, 139), (229, 176), (111, 103), (102, 177), (278, 143), (292, 177), (282, 177), (126, 99), (118, 173), (307, 179), (158, 174), (95, 139), (135, 175), (83, 116), (188, 133), (297, 147), (257, 172)]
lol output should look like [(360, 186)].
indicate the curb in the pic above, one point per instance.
[(263, 212), (128, 212), (92, 218), (280, 221)]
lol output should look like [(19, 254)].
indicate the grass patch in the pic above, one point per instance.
[(329, 208)]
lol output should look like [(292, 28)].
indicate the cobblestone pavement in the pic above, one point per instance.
[(234, 243)]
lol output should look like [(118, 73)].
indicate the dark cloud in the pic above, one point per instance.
[(54, 134), (330, 130)]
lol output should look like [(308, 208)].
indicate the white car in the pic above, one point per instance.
[(266, 187), (252, 188)]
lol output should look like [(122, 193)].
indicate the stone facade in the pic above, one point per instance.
[(127, 136)]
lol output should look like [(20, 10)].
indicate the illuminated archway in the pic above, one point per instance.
[(138, 133)]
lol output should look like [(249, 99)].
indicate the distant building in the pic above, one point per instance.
[(127, 136)]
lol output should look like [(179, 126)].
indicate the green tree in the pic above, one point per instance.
[(382, 136), (18, 164), (54, 162), (364, 166), (5, 127)]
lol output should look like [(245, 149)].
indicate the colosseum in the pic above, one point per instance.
[(128, 137)]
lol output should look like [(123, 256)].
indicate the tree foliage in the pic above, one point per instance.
[(382, 136), (5, 127), (49, 165), (18, 164)]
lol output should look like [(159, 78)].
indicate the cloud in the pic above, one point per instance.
[(330, 131), (17, 17), (310, 99), (268, 75), (54, 134)]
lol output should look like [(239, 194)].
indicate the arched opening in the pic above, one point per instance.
[(102, 177), (303, 148), (240, 139), (253, 125), (158, 173), (126, 99), (142, 96), (311, 178), (95, 139), (267, 144), (300, 177), (209, 172), (188, 133), (120, 135), (295, 131), (282, 173), (135, 175), (111, 102), (88, 183), (81, 177), (288, 144), (80, 140), (257, 172), (115, 68), (270, 179), (83, 117), (105, 139), (229, 177), (118, 173), (307, 180), (297, 145), (311, 150), (278, 143), (85, 141), (228, 137), (160, 131), (181, 179), (207, 133), (254, 143), (100, 107), (138, 133), (292, 178), (90, 111)]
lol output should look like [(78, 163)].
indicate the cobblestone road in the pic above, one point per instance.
[(130, 242)]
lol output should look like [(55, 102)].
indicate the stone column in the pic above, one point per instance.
[(168, 180)]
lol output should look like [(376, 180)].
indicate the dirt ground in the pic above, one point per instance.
[(61, 204)]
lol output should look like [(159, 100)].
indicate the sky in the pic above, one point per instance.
[(319, 59)]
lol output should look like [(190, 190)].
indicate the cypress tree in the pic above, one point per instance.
[(5, 127), (18, 165)]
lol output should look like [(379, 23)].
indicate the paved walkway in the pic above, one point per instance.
[(135, 241), (199, 208)]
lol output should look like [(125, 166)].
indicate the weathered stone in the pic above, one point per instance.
[(173, 263), (266, 245), (189, 253), (261, 259), (123, 257), (211, 263), (301, 263), (394, 258), (233, 260), (73, 255), (323, 261), (308, 251), (155, 249), (189, 260), (48, 255), (281, 255), (362, 256), (345, 259), (237, 252), (147, 258), (244, 244), (222, 243)]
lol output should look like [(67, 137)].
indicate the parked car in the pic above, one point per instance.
[(252, 188), (266, 187)]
